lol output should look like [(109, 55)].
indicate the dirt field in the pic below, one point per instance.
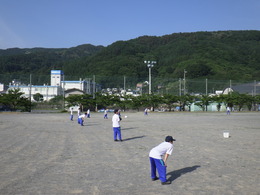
[(48, 154)]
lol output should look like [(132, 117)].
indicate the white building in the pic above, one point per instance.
[(58, 87), (1, 87), (57, 76)]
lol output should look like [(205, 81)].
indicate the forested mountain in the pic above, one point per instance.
[(224, 55), (41, 60), (214, 55)]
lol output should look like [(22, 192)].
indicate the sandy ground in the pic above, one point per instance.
[(49, 154)]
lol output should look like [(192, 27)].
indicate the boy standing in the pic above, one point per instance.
[(71, 114), (116, 125), (88, 113), (105, 114), (157, 162), (228, 110), (78, 115)]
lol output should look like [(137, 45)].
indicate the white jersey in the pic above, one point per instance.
[(163, 148), (116, 120), (82, 116)]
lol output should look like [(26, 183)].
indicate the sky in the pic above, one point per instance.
[(69, 23)]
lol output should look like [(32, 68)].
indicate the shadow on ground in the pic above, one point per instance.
[(137, 137), (122, 129), (175, 174)]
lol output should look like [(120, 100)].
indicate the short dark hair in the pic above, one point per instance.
[(116, 110)]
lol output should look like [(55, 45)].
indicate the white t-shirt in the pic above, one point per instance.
[(116, 120), (163, 148), (82, 116)]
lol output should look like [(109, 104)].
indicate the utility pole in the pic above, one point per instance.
[(63, 92), (94, 86), (255, 88), (30, 93), (179, 86), (184, 82), (124, 83), (230, 86), (206, 86)]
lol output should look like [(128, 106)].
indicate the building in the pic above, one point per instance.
[(1, 88), (57, 87)]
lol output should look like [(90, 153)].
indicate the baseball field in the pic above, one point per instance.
[(47, 154)]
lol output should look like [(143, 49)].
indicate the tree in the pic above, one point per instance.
[(15, 101), (169, 100), (249, 101), (136, 102), (73, 100), (125, 102), (57, 99), (154, 100), (185, 100), (103, 100), (205, 99), (86, 101), (219, 99), (38, 97)]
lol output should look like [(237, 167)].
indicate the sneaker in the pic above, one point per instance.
[(166, 183), (115, 140), (154, 179), (121, 140)]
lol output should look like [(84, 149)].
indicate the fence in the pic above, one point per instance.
[(159, 85)]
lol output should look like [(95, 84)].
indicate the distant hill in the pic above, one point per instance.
[(223, 55), (41, 60), (215, 55)]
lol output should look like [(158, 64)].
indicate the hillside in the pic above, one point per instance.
[(41, 60), (223, 55), (214, 55)]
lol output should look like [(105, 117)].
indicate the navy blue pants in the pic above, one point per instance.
[(81, 121), (71, 117), (117, 132), (161, 168)]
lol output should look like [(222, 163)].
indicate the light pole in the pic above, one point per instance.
[(150, 64)]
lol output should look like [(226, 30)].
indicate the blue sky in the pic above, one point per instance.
[(69, 23)]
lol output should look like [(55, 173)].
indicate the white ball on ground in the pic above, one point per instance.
[(125, 116)]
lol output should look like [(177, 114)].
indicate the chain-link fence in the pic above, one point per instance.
[(159, 85)]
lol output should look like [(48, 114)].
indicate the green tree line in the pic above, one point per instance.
[(14, 100), (167, 101)]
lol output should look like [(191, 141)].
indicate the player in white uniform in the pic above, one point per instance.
[(116, 125), (71, 114), (157, 161), (81, 119)]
